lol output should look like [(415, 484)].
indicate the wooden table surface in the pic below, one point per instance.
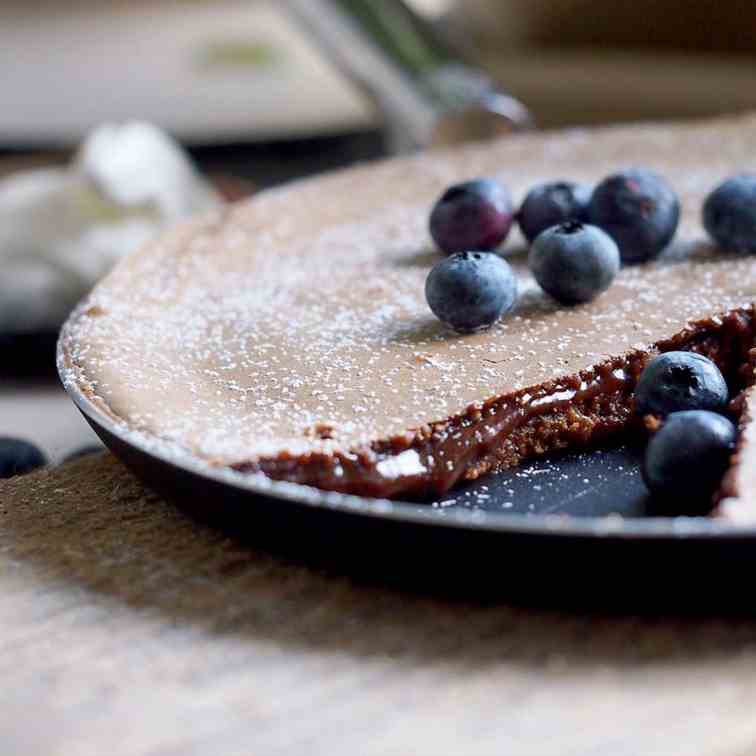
[(127, 628)]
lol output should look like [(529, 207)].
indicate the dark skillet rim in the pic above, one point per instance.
[(548, 526)]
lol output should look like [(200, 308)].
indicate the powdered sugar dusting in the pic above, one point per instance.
[(297, 321)]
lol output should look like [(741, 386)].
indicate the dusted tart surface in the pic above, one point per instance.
[(290, 333)]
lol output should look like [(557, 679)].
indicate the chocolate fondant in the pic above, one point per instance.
[(289, 335)]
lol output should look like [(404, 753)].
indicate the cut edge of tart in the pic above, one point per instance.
[(289, 335)]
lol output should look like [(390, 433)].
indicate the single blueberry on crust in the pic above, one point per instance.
[(471, 290), (474, 215), (639, 210), (729, 214), (574, 262), (676, 381), (550, 204), (687, 458)]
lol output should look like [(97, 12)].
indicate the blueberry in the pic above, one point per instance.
[(729, 214), (689, 455), (19, 457), (471, 290), (677, 381), (474, 215), (639, 210), (574, 262), (548, 205)]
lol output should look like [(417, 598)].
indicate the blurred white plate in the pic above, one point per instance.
[(209, 72)]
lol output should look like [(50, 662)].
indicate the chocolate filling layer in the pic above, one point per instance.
[(577, 411)]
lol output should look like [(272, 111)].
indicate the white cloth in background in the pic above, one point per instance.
[(62, 229)]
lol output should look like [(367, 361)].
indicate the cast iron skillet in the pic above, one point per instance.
[(572, 529)]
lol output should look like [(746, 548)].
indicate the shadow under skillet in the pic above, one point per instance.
[(91, 524), (527, 566)]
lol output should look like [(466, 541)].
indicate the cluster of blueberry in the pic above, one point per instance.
[(579, 237), (686, 458)]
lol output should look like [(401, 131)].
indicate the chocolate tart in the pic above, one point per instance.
[(289, 336)]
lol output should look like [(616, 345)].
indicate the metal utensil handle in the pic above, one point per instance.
[(426, 92)]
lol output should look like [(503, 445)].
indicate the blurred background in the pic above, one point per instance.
[(251, 72), (246, 94)]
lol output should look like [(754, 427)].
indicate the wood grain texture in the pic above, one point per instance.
[(127, 628)]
